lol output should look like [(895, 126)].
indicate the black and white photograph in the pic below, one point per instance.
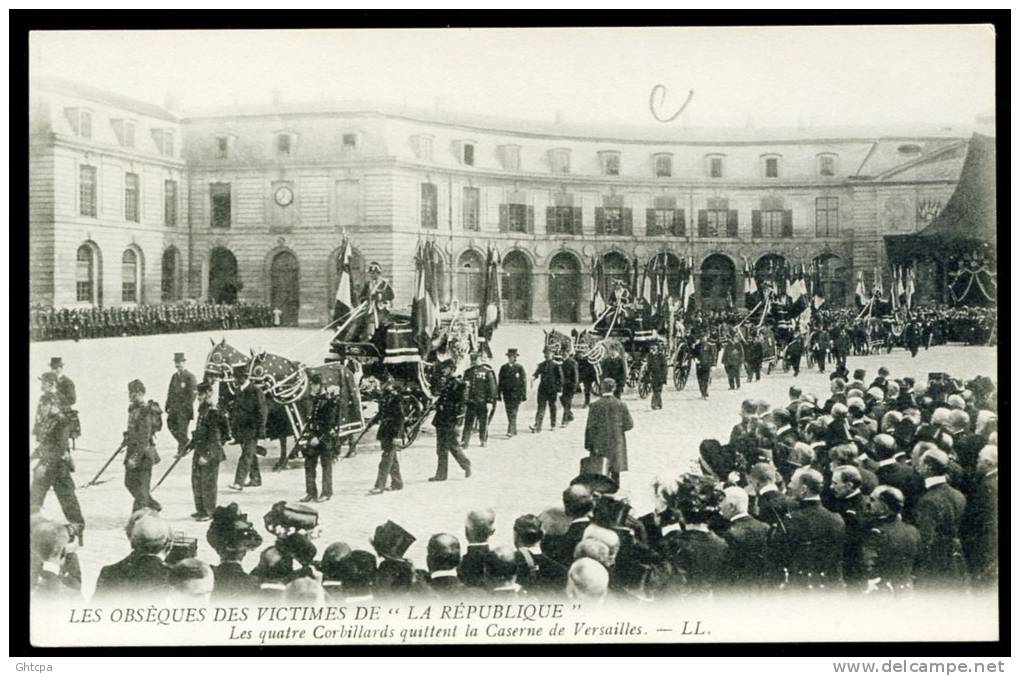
[(512, 336)]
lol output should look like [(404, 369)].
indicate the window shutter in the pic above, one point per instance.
[(702, 223), (531, 219), (756, 223), (679, 223), (550, 220), (578, 228), (650, 228), (788, 223), (731, 223), (628, 222), (504, 217), (600, 221)]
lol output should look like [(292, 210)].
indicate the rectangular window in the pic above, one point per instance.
[(560, 160), (85, 124), (718, 220), (222, 147), (429, 206), (350, 141), (827, 217), (663, 222), (469, 154), (771, 167), (827, 165), (772, 224), (614, 220), (471, 202), (219, 197), (715, 167), (612, 164), (348, 202), (131, 197), (517, 217), (87, 190), (283, 145), (170, 203), (562, 221), (663, 166)]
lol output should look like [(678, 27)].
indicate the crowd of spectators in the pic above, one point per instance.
[(882, 486), (50, 323)]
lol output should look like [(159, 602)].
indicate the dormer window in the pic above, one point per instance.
[(80, 120), (284, 145), (770, 166), (422, 146), (349, 142), (714, 166), (464, 150), (559, 160), (510, 157), (827, 164), (222, 147), (164, 139), (663, 165), (610, 160), (125, 132)]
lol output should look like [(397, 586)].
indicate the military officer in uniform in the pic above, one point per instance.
[(320, 447), (705, 354), (733, 359), (248, 422), (570, 377), (550, 383), (512, 389), (810, 545), (379, 294), (180, 402), (794, 352), (891, 546), (480, 383), (211, 429), (449, 408), (391, 428), (658, 373), (54, 455), (140, 455)]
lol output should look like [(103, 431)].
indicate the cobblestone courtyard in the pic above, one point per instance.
[(524, 474)]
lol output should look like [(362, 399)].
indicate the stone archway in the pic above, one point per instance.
[(768, 268), (835, 277), (615, 266), (285, 287), (718, 282), (517, 286), (224, 282), (565, 288)]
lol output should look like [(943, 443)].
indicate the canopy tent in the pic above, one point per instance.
[(961, 240)]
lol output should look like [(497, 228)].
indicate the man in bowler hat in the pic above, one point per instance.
[(180, 401), (512, 390)]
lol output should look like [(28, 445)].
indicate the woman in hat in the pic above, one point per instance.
[(232, 536), (697, 556)]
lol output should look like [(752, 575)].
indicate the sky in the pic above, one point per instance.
[(760, 77)]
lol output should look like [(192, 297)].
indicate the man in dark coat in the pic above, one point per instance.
[(180, 401), (391, 428), (207, 442), (480, 393), (821, 343), (54, 455), (578, 504), (570, 377), (746, 539), (550, 384), (771, 505), (449, 409), (442, 559), (937, 515), (512, 389), (536, 572), (733, 359), (891, 546), (658, 373), (66, 391), (605, 433), (140, 451), (321, 445), (248, 421), (794, 352), (810, 545), (705, 356), (840, 346), (143, 572), (981, 520), (848, 502), (754, 354), (894, 471), (587, 375), (478, 528)]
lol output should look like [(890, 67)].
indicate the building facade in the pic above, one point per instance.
[(262, 197)]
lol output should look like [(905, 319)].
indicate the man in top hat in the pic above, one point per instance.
[(248, 421), (140, 450), (180, 401), (320, 447), (606, 430), (512, 389), (54, 454), (480, 392), (550, 384), (65, 386), (395, 574), (211, 430)]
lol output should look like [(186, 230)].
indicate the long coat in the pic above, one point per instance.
[(210, 431), (248, 417), (937, 515), (513, 383), (605, 434), (180, 396)]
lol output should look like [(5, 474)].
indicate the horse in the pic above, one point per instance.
[(286, 382), (222, 360), (605, 354)]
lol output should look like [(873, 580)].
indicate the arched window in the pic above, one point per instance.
[(129, 276), (86, 274)]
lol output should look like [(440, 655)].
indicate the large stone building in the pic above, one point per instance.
[(133, 203)]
